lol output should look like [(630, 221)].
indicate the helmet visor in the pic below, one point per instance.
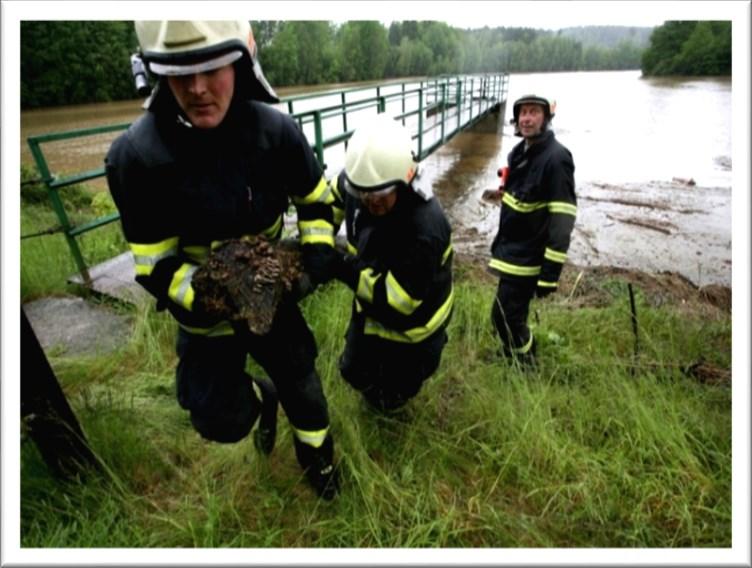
[(370, 193), (171, 69)]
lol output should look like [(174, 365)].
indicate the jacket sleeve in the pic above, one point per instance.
[(391, 292), (317, 203), (562, 209), (149, 227)]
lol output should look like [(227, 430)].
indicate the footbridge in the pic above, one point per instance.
[(434, 110)]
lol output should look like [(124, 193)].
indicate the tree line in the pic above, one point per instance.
[(67, 62), (689, 48)]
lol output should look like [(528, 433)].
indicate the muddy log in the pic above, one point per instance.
[(244, 280)]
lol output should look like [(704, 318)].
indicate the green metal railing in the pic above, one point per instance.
[(435, 110)]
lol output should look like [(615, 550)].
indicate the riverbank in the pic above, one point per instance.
[(657, 227)]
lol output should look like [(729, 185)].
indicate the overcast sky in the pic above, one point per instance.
[(542, 14)]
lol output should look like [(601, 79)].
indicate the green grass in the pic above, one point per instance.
[(593, 449)]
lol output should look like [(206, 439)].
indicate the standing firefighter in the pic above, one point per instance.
[(399, 266), (537, 217), (206, 163)]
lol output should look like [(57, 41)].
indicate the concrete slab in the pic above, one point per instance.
[(115, 278)]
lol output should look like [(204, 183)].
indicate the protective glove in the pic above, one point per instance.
[(543, 291), (302, 286)]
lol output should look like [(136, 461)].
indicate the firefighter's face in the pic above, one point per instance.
[(204, 97), (531, 120), (380, 202)]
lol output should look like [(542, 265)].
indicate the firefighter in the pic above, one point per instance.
[(399, 266), (536, 221), (209, 161)]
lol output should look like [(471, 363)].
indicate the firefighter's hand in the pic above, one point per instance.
[(543, 291), (302, 287)]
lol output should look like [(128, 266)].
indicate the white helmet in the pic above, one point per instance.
[(379, 156), (188, 47)]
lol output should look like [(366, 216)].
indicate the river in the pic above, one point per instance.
[(652, 158)]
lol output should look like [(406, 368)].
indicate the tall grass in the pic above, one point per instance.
[(593, 449), (597, 447)]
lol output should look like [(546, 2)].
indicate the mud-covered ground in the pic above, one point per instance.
[(660, 226)]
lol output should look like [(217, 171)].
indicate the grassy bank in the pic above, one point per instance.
[(597, 448)]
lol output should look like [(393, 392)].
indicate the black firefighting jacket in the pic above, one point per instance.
[(181, 191), (399, 266), (537, 213)]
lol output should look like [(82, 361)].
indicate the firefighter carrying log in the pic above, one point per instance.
[(207, 163)]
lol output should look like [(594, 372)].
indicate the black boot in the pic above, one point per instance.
[(319, 466), (266, 432)]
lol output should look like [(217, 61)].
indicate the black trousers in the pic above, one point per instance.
[(388, 373), (212, 383), (510, 312)]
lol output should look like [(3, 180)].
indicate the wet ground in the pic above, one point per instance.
[(659, 226)]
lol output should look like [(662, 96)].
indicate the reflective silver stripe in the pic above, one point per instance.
[(555, 256), (514, 269), (181, 291), (146, 256), (313, 438), (316, 232), (562, 207), (398, 298)]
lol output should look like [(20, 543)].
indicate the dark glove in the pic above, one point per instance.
[(344, 270), (543, 291), (302, 287), (318, 262)]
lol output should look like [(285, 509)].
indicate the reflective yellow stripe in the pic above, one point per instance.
[(181, 291), (525, 348), (351, 249), (146, 256), (398, 298), (416, 334), (514, 269), (312, 438), (366, 283), (339, 215), (275, 230), (316, 232), (562, 207), (555, 256), (197, 253), (322, 193), (546, 284), (222, 328), (522, 206), (446, 254)]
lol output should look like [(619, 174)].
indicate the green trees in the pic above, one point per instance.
[(689, 48), (69, 62), (75, 62)]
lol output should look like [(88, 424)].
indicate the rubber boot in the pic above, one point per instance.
[(266, 433), (318, 463)]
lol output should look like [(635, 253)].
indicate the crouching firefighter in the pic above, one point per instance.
[(537, 216), (399, 266), (209, 161)]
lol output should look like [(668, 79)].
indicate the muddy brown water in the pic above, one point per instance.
[(652, 156)]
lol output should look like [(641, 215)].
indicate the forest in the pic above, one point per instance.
[(76, 62), (689, 48)]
